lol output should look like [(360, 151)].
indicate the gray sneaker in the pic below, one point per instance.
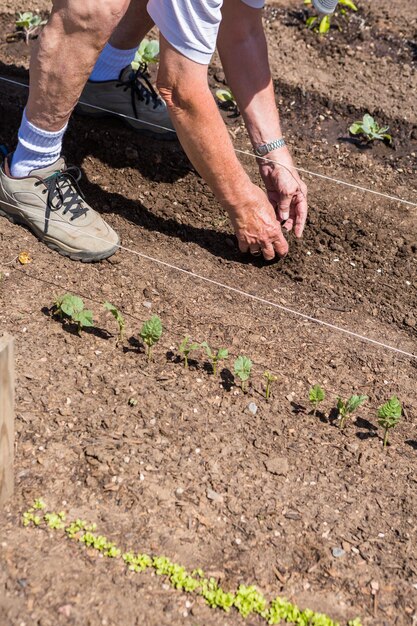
[(133, 96), (50, 203)]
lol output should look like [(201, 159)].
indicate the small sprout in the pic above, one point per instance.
[(322, 24), (151, 333), (389, 414), (147, 52), (316, 395), (118, 317), (186, 347), (215, 357), (132, 402), (369, 128), (72, 308), (270, 378), (348, 407), (54, 521), (227, 100), (30, 24), (242, 369), (39, 504)]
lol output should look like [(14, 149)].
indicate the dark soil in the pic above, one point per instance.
[(143, 472)]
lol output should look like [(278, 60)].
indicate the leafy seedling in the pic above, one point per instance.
[(369, 129), (389, 414), (270, 379), (147, 53), (322, 25), (242, 369), (347, 408), (187, 346), (72, 308), (215, 357), (150, 333), (29, 24), (316, 395), (227, 100), (118, 317)]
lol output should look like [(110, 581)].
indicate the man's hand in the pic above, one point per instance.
[(286, 191), (257, 228)]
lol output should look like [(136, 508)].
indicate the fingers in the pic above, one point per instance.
[(300, 210), (280, 245), (284, 206)]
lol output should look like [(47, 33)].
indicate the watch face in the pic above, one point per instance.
[(262, 150)]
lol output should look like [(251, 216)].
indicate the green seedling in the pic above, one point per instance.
[(30, 24), (316, 395), (247, 599), (227, 100), (147, 53), (72, 308), (322, 25), (389, 414), (187, 346), (369, 128), (150, 333), (347, 408), (118, 317), (242, 369), (270, 379), (215, 357)]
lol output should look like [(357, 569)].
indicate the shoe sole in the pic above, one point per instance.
[(84, 257), (83, 111)]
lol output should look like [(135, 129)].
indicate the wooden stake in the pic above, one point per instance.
[(6, 417)]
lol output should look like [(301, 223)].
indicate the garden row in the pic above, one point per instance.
[(70, 309)]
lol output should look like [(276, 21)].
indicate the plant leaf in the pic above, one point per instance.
[(243, 367), (349, 4), (391, 408), (316, 394), (354, 403), (222, 353), (324, 25), (151, 330), (355, 128)]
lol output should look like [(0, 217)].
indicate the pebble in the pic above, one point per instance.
[(277, 465), (338, 552), (147, 304), (214, 496), (252, 408)]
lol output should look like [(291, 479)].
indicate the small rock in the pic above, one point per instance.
[(338, 552), (252, 408), (292, 515), (214, 496), (147, 304), (277, 465), (290, 396)]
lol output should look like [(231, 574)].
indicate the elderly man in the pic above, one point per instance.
[(38, 190)]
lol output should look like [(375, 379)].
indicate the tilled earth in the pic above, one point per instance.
[(188, 471)]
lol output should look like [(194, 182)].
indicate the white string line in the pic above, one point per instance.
[(338, 181), (217, 283)]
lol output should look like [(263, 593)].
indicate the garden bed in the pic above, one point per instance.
[(188, 471)]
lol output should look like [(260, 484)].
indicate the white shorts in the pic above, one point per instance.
[(191, 26)]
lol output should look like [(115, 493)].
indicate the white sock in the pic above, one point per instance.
[(111, 62), (36, 148)]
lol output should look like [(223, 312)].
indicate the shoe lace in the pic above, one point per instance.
[(140, 88), (63, 194)]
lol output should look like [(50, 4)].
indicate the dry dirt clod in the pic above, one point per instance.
[(277, 465)]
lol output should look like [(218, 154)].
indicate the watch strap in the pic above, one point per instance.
[(265, 148)]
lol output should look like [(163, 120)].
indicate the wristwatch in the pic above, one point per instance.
[(264, 148)]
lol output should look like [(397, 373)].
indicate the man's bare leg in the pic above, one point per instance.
[(67, 50), (133, 27)]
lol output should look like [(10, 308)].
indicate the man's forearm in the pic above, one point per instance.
[(201, 130), (244, 57)]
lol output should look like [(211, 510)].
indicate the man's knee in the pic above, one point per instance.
[(98, 19)]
